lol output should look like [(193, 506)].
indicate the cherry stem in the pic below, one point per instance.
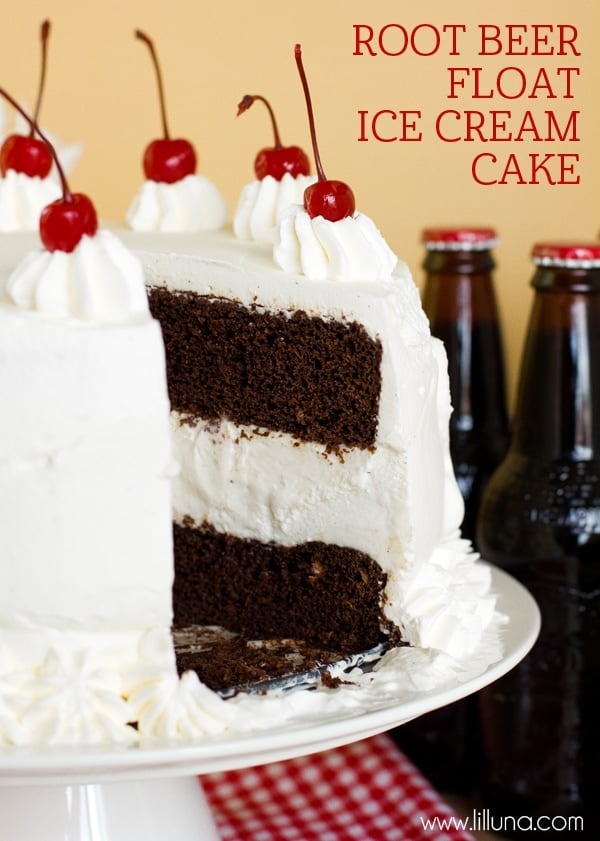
[(44, 33), (161, 95), (66, 192), (247, 102), (311, 119)]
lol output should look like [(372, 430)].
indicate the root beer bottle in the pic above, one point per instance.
[(540, 521), (460, 301)]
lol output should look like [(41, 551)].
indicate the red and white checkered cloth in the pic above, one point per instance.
[(365, 791)]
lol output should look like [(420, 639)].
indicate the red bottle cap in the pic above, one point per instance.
[(459, 239), (567, 254)]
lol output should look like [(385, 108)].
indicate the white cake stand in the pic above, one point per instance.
[(153, 794)]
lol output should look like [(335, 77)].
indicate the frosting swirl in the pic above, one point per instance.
[(448, 602), (68, 153), (168, 707), (73, 700), (22, 199), (191, 204), (12, 703), (349, 249), (262, 202), (101, 280)]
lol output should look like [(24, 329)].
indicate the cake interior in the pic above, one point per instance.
[(318, 380)]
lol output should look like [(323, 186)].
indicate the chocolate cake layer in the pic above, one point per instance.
[(325, 595), (318, 380)]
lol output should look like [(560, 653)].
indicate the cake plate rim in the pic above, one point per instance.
[(84, 764)]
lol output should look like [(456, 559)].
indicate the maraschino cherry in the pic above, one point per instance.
[(334, 200), (167, 160), (277, 159), (25, 153), (64, 221)]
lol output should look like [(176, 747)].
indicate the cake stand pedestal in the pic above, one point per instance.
[(154, 794), (143, 810)]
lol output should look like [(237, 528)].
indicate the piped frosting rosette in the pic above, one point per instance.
[(348, 249), (100, 280), (169, 707), (75, 698), (22, 199), (192, 204), (68, 153), (263, 201)]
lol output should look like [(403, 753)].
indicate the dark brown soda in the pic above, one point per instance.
[(540, 521), (459, 299)]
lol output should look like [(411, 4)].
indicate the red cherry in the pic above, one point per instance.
[(334, 200), (278, 159), (25, 153), (276, 162), (169, 160), (66, 220), (166, 160)]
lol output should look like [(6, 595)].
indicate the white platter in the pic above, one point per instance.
[(87, 782)]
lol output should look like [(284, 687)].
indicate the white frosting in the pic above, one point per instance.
[(169, 708), (262, 202), (100, 280), (74, 700), (68, 153), (349, 249), (191, 204), (84, 454), (86, 567), (91, 694), (22, 199), (172, 711)]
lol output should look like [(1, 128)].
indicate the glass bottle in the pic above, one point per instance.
[(540, 521), (459, 299)]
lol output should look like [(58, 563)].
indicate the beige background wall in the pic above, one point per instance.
[(101, 91)]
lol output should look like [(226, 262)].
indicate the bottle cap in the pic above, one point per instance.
[(567, 254), (459, 239)]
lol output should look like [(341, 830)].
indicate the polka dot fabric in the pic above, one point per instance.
[(365, 791)]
